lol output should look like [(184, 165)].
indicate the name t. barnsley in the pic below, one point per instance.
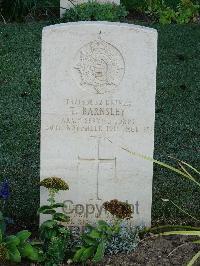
[(108, 111)]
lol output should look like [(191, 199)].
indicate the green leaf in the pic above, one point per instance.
[(191, 167), (164, 228), (186, 233), (161, 164), (100, 252), (116, 229), (89, 240), (49, 224), (64, 231), (12, 240), (14, 254), (88, 253), (196, 242), (194, 259), (36, 243), (103, 223), (61, 217), (27, 251), (23, 235), (58, 205), (78, 254), (95, 234), (46, 210)]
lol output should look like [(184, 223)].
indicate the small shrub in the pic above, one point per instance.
[(187, 12), (53, 233), (125, 241), (192, 174), (167, 16), (94, 241), (15, 247), (96, 238), (93, 11)]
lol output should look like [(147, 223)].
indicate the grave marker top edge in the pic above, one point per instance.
[(99, 23)]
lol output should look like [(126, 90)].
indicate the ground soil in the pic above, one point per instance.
[(157, 251), (151, 251)]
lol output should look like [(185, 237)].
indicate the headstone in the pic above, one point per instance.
[(66, 4), (98, 95)]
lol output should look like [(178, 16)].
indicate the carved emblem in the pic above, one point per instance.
[(99, 67)]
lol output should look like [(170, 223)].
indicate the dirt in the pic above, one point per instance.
[(161, 251), (152, 251)]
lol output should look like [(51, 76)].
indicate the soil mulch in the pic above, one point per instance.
[(152, 251), (161, 251)]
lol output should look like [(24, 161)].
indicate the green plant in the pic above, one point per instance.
[(155, 9), (187, 171), (94, 11), (165, 12), (54, 235), (94, 241), (96, 238), (15, 247), (187, 11), (167, 16), (125, 241)]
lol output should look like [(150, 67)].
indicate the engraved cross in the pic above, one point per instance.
[(99, 160)]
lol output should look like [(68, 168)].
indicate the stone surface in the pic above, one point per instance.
[(65, 4), (98, 95)]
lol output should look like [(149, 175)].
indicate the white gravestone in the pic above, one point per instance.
[(98, 94), (66, 4)]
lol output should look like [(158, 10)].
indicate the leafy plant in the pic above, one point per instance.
[(159, 11), (185, 167), (54, 235), (167, 16), (96, 238), (94, 11), (125, 241), (186, 171), (94, 241), (15, 247), (165, 12), (187, 11)]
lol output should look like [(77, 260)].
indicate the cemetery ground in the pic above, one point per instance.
[(176, 131)]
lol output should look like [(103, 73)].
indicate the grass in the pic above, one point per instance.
[(176, 131)]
